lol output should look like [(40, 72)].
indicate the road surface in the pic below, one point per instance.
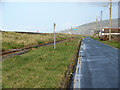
[(97, 66)]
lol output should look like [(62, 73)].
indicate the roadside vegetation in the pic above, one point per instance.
[(111, 43), (42, 67), (12, 40)]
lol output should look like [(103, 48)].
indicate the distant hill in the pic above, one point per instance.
[(89, 27)]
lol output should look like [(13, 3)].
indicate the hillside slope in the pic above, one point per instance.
[(89, 27)]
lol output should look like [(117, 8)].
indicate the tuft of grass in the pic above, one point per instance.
[(43, 67), (111, 43)]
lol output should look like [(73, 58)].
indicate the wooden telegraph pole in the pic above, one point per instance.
[(96, 25), (101, 24), (71, 29), (54, 35), (110, 21)]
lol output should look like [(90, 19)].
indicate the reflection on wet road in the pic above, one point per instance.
[(97, 66)]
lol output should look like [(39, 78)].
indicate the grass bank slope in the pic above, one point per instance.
[(41, 67), (12, 40)]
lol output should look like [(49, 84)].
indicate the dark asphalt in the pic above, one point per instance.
[(99, 68), (99, 65)]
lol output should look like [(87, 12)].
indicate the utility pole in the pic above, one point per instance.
[(96, 24), (93, 28), (110, 21), (71, 29), (54, 35), (101, 24)]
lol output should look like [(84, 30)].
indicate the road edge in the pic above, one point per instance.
[(106, 44), (68, 74)]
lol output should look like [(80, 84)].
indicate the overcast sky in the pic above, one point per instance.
[(33, 16)]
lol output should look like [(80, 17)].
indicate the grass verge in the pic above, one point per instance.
[(111, 43), (12, 40), (41, 67)]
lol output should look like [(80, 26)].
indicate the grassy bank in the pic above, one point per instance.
[(111, 43), (41, 67), (12, 40)]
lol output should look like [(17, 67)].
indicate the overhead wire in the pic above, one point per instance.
[(106, 7), (103, 10)]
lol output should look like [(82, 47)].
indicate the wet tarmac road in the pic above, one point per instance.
[(97, 66)]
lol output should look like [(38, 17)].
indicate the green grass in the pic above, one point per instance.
[(111, 43), (41, 67), (12, 40)]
